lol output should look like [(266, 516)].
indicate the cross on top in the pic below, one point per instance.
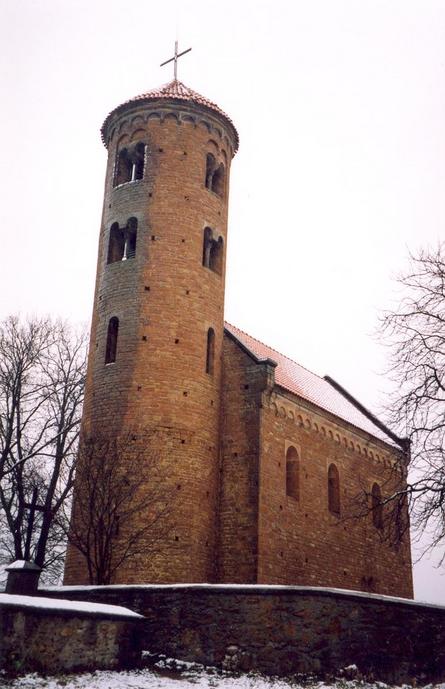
[(175, 59)]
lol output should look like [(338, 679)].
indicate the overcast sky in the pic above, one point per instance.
[(340, 107)]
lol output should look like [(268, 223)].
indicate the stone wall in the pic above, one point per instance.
[(49, 640), (280, 629)]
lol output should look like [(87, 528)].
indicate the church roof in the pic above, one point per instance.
[(177, 91), (323, 392)]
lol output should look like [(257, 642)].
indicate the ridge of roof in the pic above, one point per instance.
[(318, 390), (173, 90)]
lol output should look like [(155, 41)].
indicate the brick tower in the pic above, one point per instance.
[(157, 329)]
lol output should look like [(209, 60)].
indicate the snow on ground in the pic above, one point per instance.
[(169, 674)]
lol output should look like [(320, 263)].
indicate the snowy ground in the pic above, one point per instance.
[(168, 673)]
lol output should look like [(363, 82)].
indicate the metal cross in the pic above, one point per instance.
[(175, 59)]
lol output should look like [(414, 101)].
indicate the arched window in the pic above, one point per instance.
[(212, 252), (333, 490), (210, 357), (116, 244), (123, 168), (130, 164), (215, 175), (112, 333), (292, 473), (122, 242), (218, 180), (377, 507)]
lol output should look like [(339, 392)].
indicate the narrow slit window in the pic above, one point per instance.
[(377, 507), (210, 357), (292, 473), (112, 333), (333, 490)]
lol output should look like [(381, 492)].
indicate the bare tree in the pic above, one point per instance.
[(122, 504), (415, 333), (42, 371)]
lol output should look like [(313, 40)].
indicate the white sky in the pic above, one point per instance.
[(340, 107)]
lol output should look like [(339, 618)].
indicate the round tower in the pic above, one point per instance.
[(154, 369)]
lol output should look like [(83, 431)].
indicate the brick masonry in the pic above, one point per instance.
[(221, 438)]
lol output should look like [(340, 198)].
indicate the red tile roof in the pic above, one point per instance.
[(298, 380), (174, 90)]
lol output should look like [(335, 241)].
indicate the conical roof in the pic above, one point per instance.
[(177, 91)]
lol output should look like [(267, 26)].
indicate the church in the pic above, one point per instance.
[(262, 456)]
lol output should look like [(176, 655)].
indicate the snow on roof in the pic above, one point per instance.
[(253, 589), (60, 605), (298, 380)]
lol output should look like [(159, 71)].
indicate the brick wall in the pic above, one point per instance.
[(280, 630), (166, 301), (300, 540)]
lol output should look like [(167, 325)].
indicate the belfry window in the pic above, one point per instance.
[(292, 473), (377, 507), (210, 168), (130, 164), (112, 333), (333, 490), (212, 251), (210, 357), (123, 168), (138, 159), (215, 175), (218, 180), (122, 241)]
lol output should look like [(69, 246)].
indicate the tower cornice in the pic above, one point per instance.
[(174, 93)]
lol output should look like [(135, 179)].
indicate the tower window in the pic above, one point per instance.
[(210, 168), (210, 357), (112, 333), (212, 252), (215, 175), (218, 180), (116, 244), (377, 507), (333, 490), (123, 168), (122, 242), (292, 473), (130, 164), (138, 161)]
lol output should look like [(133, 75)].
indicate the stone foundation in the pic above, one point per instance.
[(48, 639), (281, 629)]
